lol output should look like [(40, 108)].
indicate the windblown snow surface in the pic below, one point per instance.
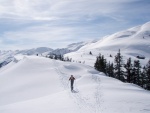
[(40, 85)]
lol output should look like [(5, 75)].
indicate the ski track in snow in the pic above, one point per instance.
[(81, 101), (98, 95)]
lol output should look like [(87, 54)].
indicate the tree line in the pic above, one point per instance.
[(126, 72), (59, 57)]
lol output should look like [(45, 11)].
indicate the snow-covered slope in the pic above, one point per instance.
[(137, 38), (76, 46), (8, 56), (132, 42), (40, 85)]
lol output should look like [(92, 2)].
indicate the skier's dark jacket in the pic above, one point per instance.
[(72, 79)]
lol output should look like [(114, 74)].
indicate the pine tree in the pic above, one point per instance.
[(110, 69), (137, 70), (51, 56), (129, 67), (103, 64), (107, 68), (144, 78), (0, 65), (66, 59), (100, 64), (118, 66), (133, 80), (55, 57), (96, 65), (147, 68), (61, 57), (90, 53)]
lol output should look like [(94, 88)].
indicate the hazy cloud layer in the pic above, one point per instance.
[(56, 23)]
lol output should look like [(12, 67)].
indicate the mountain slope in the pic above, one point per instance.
[(132, 42), (137, 38), (40, 85)]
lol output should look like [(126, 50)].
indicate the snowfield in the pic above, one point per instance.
[(40, 85)]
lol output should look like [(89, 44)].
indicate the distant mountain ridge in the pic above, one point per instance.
[(70, 48), (8, 56), (33, 51), (132, 42)]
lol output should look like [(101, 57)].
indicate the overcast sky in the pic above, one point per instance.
[(56, 23)]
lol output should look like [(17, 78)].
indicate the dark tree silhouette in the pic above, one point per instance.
[(118, 66)]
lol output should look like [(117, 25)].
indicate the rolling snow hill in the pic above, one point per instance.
[(40, 85), (132, 42)]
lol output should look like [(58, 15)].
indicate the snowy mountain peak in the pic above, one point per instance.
[(146, 26), (132, 42)]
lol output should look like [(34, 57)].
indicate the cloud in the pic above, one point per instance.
[(49, 34), (56, 9), (52, 32), (43, 35), (39, 33), (56, 23)]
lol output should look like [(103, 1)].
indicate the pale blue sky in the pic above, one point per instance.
[(56, 23)]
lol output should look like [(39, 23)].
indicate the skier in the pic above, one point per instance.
[(72, 81)]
